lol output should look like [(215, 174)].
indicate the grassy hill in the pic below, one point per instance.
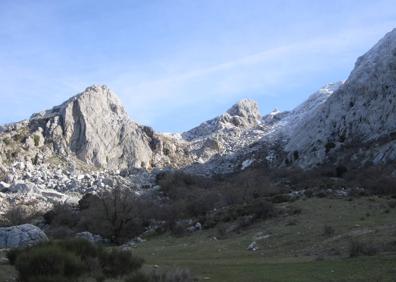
[(291, 248)]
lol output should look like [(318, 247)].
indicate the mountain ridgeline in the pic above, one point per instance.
[(349, 122)]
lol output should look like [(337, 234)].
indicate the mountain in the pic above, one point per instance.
[(359, 117), (89, 143)]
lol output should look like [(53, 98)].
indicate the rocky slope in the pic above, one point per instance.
[(360, 115)]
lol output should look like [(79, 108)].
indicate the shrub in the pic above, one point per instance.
[(48, 261), (281, 198), (70, 260), (16, 216), (261, 208), (12, 255), (7, 141), (359, 248), (80, 247), (119, 262), (36, 140), (115, 214), (329, 146), (62, 215), (328, 230), (174, 275), (138, 277), (221, 231), (392, 204), (341, 170), (59, 232)]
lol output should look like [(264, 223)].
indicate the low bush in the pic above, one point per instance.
[(328, 230), (48, 261), (69, 260), (138, 277), (17, 215), (119, 262), (359, 248), (392, 204), (62, 215)]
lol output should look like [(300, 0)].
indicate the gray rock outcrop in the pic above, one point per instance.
[(95, 127), (21, 236)]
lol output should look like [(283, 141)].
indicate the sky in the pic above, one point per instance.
[(177, 63)]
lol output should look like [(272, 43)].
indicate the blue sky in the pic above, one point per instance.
[(176, 63)]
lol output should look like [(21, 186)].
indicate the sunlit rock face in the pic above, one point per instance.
[(361, 111), (94, 126)]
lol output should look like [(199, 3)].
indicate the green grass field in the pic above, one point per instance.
[(296, 248)]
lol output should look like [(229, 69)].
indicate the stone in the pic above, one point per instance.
[(22, 187), (4, 185), (21, 236), (252, 246)]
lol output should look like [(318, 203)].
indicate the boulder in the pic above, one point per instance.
[(21, 236), (22, 187)]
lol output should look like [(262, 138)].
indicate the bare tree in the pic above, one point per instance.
[(114, 214)]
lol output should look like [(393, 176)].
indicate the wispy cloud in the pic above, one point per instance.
[(264, 71)]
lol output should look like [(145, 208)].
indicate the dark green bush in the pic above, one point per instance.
[(12, 255), (48, 261), (119, 262), (80, 247), (70, 260), (138, 277), (36, 140), (328, 230), (359, 248)]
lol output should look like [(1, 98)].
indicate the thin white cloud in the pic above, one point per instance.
[(256, 71)]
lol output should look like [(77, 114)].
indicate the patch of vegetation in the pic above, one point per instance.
[(70, 261), (360, 248), (36, 139), (17, 215), (328, 230), (329, 146), (7, 141)]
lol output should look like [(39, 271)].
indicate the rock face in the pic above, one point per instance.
[(245, 114), (21, 236), (361, 112), (94, 126)]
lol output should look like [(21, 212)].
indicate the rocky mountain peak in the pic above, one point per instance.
[(95, 126), (246, 108), (99, 98), (380, 59), (242, 115)]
